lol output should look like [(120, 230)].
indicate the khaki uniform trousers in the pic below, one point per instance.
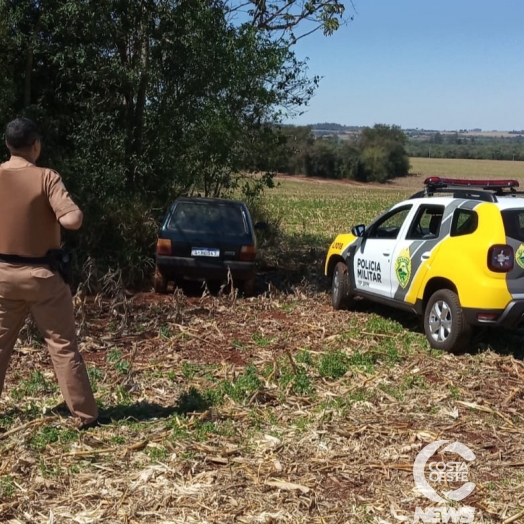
[(42, 292)]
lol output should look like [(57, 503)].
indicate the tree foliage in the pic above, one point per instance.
[(141, 101), (453, 145), (288, 17), (383, 153), (377, 155)]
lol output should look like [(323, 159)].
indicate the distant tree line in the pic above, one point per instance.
[(439, 145), (376, 155), (331, 126)]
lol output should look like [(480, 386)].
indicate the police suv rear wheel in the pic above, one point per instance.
[(444, 323), (341, 287)]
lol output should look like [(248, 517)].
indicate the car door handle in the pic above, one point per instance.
[(425, 255), (386, 254)]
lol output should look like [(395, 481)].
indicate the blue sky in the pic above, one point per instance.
[(432, 64)]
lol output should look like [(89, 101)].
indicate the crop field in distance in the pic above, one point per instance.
[(483, 169), (315, 211), (272, 409)]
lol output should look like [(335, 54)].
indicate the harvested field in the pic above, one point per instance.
[(262, 410)]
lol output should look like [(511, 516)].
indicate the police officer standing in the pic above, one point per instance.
[(34, 203)]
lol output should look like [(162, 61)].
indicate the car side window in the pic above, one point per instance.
[(389, 226), (514, 223), (426, 224), (464, 222)]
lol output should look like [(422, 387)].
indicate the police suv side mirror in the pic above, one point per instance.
[(261, 225), (358, 230)]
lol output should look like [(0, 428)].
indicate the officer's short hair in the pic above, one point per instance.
[(21, 134)]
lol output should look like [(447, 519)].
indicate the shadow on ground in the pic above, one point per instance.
[(502, 341), (505, 342), (189, 402)]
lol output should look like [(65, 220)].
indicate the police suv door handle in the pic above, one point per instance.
[(386, 254), (425, 255)]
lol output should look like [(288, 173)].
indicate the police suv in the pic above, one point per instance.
[(457, 261)]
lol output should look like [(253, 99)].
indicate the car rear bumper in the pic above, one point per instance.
[(510, 317), (204, 268)]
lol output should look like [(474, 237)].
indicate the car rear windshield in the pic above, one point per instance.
[(205, 218), (514, 223)]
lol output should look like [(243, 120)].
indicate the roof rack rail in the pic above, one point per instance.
[(485, 196)]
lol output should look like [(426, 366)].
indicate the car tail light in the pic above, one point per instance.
[(247, 253), (163, 246), (500, 258)]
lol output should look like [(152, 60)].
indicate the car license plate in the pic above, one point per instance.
[(204, 252)]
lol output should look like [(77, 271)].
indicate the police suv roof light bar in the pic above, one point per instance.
[(439, 182)]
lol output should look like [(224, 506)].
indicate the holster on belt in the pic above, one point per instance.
[(62, 261), (58, 260)]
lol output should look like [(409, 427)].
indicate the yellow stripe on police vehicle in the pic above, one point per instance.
[(453, 254)]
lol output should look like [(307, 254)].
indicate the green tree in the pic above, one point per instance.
[(383, 153), (140, 101), (289, 17), (295, 142), (382, 133), (437, 138), (323, 159), (7, 87)]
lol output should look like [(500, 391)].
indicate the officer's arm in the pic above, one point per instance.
[(72, 220)]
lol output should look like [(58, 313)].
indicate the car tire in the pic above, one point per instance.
[(341, 296), (214, 285), (249, 286), (160, 282), (178, 283), (444, 324)]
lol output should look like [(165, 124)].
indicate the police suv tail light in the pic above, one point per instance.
[(247, 253), (500, 258), (163, 246)]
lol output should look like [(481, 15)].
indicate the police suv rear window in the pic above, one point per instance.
[(514, 223), (464, 222)]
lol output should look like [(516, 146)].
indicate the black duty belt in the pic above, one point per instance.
[(16, 259), (57, 260)]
